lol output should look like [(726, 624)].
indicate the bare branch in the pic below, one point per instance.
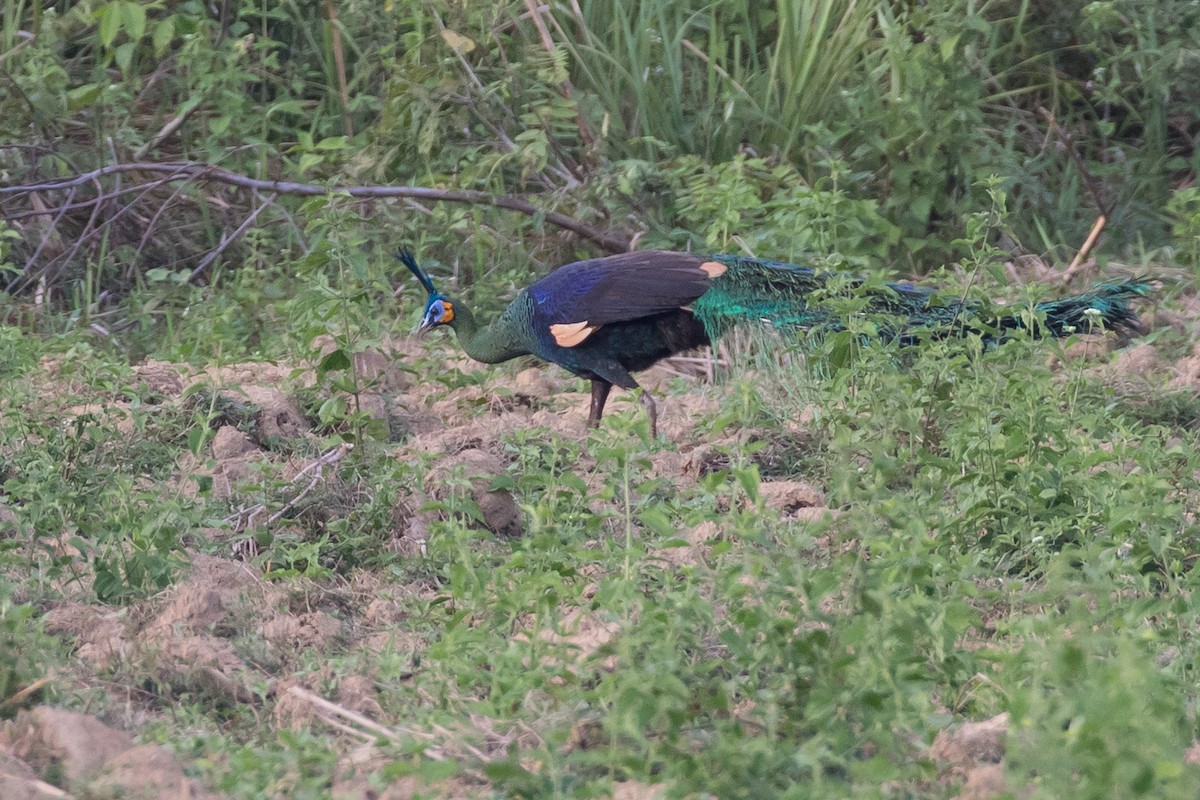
[(227, 240), (185, 170), (172, 125), (1068, 143)]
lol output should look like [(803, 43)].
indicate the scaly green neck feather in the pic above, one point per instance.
[(490, 344)]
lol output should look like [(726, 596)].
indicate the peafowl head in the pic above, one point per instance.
[(439, 309)]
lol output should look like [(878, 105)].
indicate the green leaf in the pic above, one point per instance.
[(83, 96), (109, 18), (163, 35), (309, 160), (656, 520), (331, 410), (124, 56), (749, 480), (947, 47), (197, 437), (333, 361), (286, 107), (133, 19)]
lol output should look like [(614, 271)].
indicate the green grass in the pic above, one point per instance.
[(1010, 538), (1006, 536)]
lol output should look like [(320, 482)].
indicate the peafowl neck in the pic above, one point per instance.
[(489, 344)]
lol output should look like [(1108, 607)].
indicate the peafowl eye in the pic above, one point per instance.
[(605, 318)]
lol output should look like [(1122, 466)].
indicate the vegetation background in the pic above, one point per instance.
[(1006, 534)]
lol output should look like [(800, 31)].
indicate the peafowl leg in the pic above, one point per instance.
[(600, 390), (651, 411), (601, 387)]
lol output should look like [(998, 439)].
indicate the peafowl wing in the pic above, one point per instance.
[(573, 302)]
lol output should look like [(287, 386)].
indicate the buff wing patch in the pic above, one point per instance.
[(572, 334)]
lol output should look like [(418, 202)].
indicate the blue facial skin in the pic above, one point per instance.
[(438, 311)]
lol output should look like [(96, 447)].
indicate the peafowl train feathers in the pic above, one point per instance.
[(605, 318)]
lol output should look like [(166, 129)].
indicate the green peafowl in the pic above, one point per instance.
[(607, 317)]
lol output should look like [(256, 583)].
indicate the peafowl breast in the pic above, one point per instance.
[(605, 318)]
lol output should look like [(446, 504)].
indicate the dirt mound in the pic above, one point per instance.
[(51, 745), (314, 629), (229, 443), (359, 694), (776, 453), (18, 781), (985, 782), (792, 498), (694, 550), (973, 752), (579, 636), (187, 642), (146, 772), (636, 790), (222, 598), (56, 741), (1141, 360), (679, 415), (248, 396), (279, 415), (1187, 371), (497, 509), (248, 373), (99, 632), (971, 743), (214, 591), (480, 435), (161, 377), (536, 384)]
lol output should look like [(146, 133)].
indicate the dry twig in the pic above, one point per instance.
[(186, 170), (1094, 236), (1069, 144), (245, 518), (17, 697), (333, 714)]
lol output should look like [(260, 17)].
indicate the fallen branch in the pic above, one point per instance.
[(245, 518), (18, 697), (368, 730), (186, 170), (331, 713), (1094, 236)]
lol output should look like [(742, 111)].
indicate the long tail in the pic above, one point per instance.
[(792, 296), (1105, 305)]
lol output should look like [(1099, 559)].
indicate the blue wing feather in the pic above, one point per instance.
[(618, 288)]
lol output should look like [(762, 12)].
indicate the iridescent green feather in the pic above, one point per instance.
[(790, 296)]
